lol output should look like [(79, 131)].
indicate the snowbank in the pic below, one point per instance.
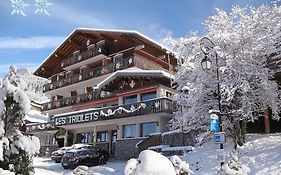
[(6, 172), (148, 164)]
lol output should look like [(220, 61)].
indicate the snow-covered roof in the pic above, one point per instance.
[(134, 32), (35, 116), (134, 71)]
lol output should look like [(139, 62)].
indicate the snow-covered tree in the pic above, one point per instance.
[(246, 41), (16, 149)]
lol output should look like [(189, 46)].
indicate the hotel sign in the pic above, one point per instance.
[(95, 115)]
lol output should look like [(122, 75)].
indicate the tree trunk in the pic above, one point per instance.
[(243, 125), (239, 132)]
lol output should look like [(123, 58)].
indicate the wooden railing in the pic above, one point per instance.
[(89, 74), (39, 127), (97, 50), (78, 99)]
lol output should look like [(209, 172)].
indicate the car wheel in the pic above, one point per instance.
[(102, 160), (57, 161)]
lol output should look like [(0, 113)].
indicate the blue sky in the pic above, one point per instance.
[(26, 41)]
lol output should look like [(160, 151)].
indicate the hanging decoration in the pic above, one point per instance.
[(132, 84), (118, 65), (121, 109), (42, 126)]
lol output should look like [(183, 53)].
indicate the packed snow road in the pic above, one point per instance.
[(46, 166)]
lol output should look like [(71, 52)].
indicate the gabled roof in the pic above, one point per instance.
[(78, 37), (133, 72)]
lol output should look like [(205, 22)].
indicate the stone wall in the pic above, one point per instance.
[(103, 146), (126, 148), (175, 139)]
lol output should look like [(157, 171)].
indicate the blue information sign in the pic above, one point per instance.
[(214, 122)]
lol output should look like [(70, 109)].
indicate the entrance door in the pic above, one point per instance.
[(113, 141)]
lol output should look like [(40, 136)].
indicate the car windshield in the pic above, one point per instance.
[(69, 154)]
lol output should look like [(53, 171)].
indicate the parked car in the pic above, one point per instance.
[(57, 155), (84, 156), (81, 145)]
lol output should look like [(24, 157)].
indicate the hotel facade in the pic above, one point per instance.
[(109, 88)]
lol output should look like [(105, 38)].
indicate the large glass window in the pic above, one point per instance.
[(129, 131), (148, 128), (102, 136), (130, 99), (148, 96)]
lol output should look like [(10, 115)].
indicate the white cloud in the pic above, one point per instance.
[(158, 33), (36, 42), (79, 17)]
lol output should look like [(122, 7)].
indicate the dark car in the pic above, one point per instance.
[(57, 155), (89, 157)]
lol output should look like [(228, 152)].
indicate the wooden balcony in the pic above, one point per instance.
[(78, 59), (78, 99), (159, 105), (89, 74)]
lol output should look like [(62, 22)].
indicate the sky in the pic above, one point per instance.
[(25, 41)]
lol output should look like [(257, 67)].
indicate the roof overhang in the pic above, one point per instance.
[(134, 72)]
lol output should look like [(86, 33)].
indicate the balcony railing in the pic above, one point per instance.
[(114, 112), (92, 73), (78, 99), (39, 127), (99, 49)]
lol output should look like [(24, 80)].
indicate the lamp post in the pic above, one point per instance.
[(207, 46)]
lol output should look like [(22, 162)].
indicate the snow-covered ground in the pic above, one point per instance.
[(262, 153), (45, 166)]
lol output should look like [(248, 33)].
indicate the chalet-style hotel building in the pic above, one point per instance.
[(109, 88)]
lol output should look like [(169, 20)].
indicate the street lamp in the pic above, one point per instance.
[(207, 47)]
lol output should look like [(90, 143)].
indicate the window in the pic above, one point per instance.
[(169, 94), (129, 131), (85, 137), (52, 141), (102, 136), (130, 99), (147, 129), (114, 136), (73, 93), (89, 89), (148, 96)]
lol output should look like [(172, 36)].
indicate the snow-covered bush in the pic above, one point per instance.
[(149, 163), (16, 150), (181, 167), (234, 167), (81, 170)]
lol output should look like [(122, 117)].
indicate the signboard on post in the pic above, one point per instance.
[(219, 138), (214, 121)]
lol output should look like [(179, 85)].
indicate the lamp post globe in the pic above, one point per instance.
[(206, 63)]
